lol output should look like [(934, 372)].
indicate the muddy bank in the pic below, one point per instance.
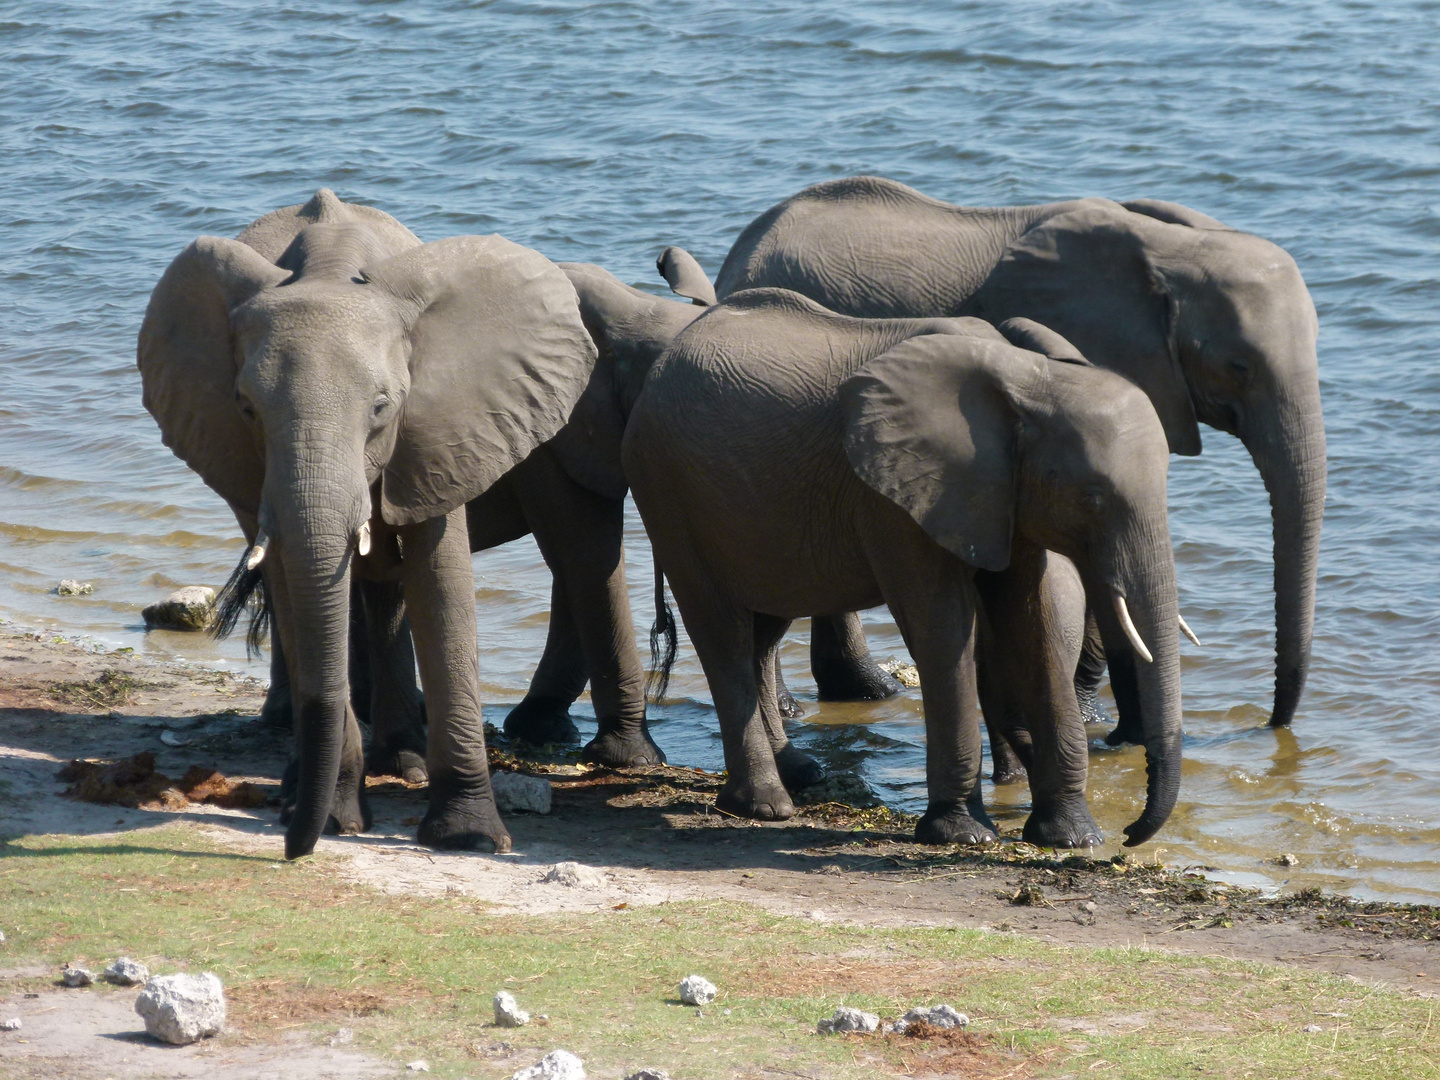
[(652, 835)]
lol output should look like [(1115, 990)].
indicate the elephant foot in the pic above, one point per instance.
[(276, 714), (349, 813), (1125, 733), (947, 823), (1092, 710), (1008, 772), (759, 801), (862, 680), (1062, 827), (402, 761), (622, 743), (463, 817), (789, 707), (798, 770), (541, 721)]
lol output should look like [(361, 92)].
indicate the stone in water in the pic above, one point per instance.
[(71, 587), (190, 608)]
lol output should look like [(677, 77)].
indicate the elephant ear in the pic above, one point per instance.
[(1090, 275), (187, 360), (1174, 213), (930, 426), (498, 358), (1028, 334), (271, 235), (680, 269)]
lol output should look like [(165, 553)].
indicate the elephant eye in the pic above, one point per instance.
[(245, 406), (381, 404)]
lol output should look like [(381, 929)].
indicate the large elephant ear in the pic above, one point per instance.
[(930, 426), (188, 365), (271, 235), (498, 358), (1089, 275)]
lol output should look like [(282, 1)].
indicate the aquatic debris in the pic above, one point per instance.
[(71, 587)]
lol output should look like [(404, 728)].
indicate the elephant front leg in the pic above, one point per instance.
[(1035, 612), (798, 770), (931, 596), (397, 720), (841, 663), (1090, 672), (439, 585)]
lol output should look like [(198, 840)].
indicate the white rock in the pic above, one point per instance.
[(848, 1019), (126, 972), (180, 1009), (575, 875), (190, 608), (13, 1024), (556, 1065), (940, 1016), (342, 1037), (71, 587), (649, 1074), (518, 792), (508, 1012), (697, 990), (1312, 1029), (169, 738), (75, 975), (2, 937), (419, 1066)]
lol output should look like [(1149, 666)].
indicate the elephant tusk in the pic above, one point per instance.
[(1123, 614), (362, 541), (257, 551), (1185, 629)]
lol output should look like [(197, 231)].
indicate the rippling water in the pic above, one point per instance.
[(603, 131)]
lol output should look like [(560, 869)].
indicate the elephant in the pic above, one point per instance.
[(348, 395), (788, 461), (570, 494), (1214, 324)]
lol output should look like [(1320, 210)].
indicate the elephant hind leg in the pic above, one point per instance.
[(798, 770), (1090, 672), (841, 663), (543, 716), (724, 638), (396, 713)]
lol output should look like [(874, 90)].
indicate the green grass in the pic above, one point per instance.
[(298, 946)]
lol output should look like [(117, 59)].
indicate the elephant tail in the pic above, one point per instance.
[(245, 589), (663, 629)]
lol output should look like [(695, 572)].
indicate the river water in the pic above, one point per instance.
[(604, 131)]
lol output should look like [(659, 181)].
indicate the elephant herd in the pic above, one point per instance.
[(965, 414)]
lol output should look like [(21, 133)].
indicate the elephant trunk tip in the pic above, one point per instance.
[(1162, 790)]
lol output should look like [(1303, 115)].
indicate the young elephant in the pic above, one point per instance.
[(790, 461), (347, 397)]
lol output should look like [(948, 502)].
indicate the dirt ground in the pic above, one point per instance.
[(650, 836)]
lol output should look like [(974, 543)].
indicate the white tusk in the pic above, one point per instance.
[(1123, 613), (362, 542), (257, 552), (1185, 629)]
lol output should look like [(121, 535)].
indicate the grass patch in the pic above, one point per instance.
[(111, 689), (298, 947)]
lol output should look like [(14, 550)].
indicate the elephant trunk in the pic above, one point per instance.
[(1142, 576), (1287, 442), (316, 520)]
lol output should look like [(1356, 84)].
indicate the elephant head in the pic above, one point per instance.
[(630, 329), (979, 442), (1217, 326), (360, 381)]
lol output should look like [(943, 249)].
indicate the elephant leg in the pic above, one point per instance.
[(543, 715), (1036, 611), (930, 593), (840, 661), (581, 535), (798, 770), (278, 712), (1009, 741), (358, 666), (784, 700), (397, 720), (1089, 673), (349, 809), (724, 638), (1126, 688), (439, 585)]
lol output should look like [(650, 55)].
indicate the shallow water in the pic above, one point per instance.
[(602, 132)]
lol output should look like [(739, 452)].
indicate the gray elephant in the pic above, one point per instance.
[(347, 396), (1215, 325), (789, 461)]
